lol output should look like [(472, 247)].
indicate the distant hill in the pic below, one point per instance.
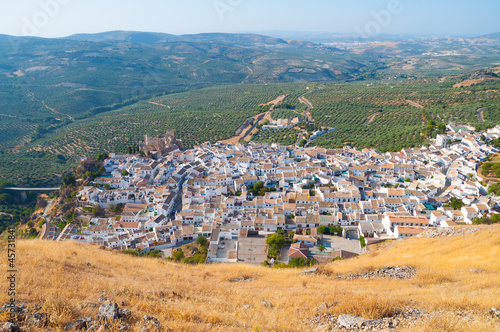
[(125, 36), (222, 38), (495, 35), (455, 286)]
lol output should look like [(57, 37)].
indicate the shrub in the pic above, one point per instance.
[(133, 252), (154, 253), (178, 255), (202, 241), (362, 241)]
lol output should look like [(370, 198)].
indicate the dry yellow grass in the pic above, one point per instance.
[(56, 276)]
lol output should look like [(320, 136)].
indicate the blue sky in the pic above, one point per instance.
[(56, 18)]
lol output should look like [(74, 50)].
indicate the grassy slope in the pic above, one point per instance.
[(55, 275)]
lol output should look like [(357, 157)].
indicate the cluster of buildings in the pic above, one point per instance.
[(282, 123), (237, 194)]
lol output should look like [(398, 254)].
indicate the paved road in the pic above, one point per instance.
[(47, 208), (480, 116), (309, 107)]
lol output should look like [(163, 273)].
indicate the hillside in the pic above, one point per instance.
[(66, 98), (456, 284)]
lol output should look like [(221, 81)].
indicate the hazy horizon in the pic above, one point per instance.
[(62, 18)]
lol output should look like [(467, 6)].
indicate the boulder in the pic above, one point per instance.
[(109, 310), (349, 320), (78, 324), (38, 319), (150, 323), (124, 312), (310, 271)]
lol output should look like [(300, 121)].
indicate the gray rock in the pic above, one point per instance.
[(150, 322), (267, 304), (495, 312), (102, 299), (78, 324), (349, 320), (109, 310), (310, 271), (240, 279), (476, 270), (323, 305), (247, 306), (38, 319), (398, 272), (124, 312), (11, 327)]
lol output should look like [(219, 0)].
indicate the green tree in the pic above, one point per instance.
[(362, 241), (275, 242), (494, 189), (456, 203), (68, 179), (303, 142), (322, 230), (321, 248), (102, 156), (202, 241)]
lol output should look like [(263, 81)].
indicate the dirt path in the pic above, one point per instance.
[(10, 116), (480, 116), (54, 111), (158, 104), (370, 119), (32, 96), (275, 101), (251, 128), (414, 104), (251, 73)]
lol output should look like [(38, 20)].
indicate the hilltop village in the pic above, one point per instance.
[(329, 203)]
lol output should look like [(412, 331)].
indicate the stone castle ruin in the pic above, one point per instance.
[(161, 144)]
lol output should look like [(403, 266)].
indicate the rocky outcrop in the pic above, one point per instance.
[(345, 322), (397, 272), (440, 232)]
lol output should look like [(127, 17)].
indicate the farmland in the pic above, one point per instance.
[(396, 123), (215, 113), (198, 116), (68, 98)]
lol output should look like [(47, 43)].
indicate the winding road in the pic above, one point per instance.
[(480, 116), (306, 113)]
